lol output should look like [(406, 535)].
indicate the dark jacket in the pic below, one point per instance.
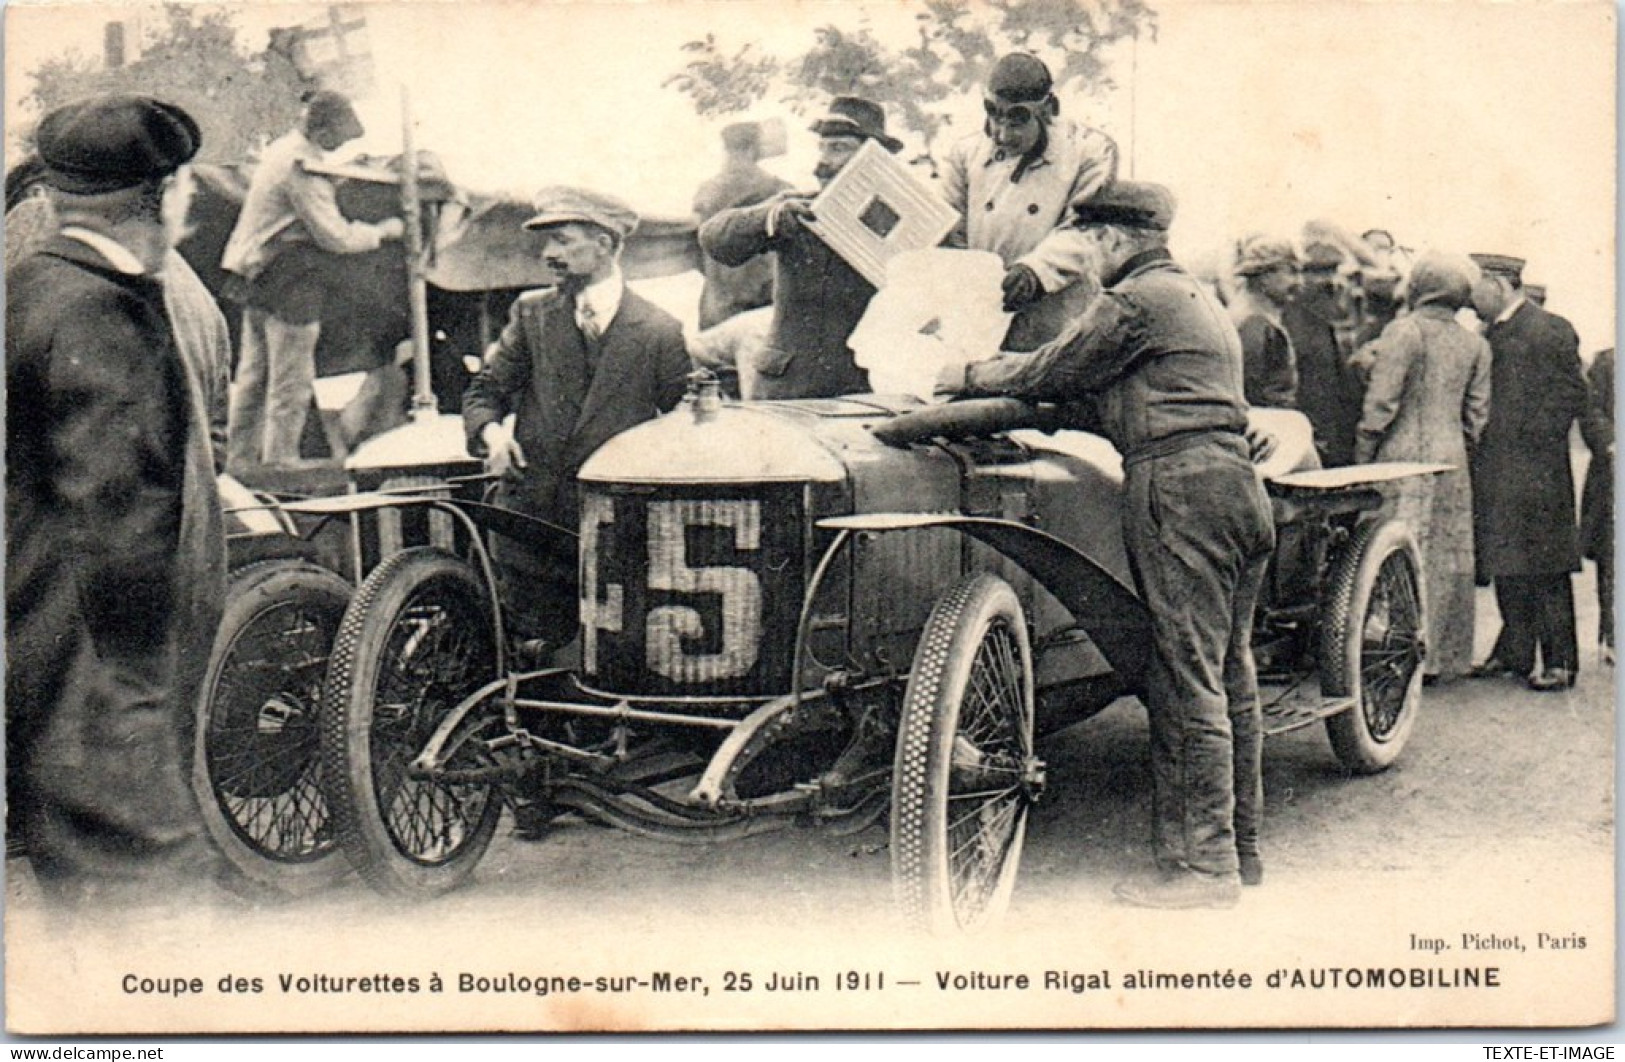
[(1329, 391), (114, 562), (570, 399), (1597, 428), (1160, 354), (734, 289), (1523, 483), (818, 301)]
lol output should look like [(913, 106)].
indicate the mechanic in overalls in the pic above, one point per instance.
[(1164, 366)]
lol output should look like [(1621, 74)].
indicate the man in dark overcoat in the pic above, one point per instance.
[(1523, 482), (577, 363), (1330, 392), (818, 298), (731, 290), (114, 552)]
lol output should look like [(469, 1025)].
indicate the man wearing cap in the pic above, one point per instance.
[(818, 298), (281, 248), (1315, 320), (1268, 270), (1526, 537), (1163, 364), (1012, 185), (734, 289), (576, 363), (115, 558)]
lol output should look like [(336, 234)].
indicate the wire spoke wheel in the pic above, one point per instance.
[(416, 641), (965, 774), (1374, 644), (257, 765)]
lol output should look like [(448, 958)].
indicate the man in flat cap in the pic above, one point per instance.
[(1163, 365), (1268, 269), (818, 298), (734, 289), (1318, 324), (577, 363), (115, 558), (1013, 184), (281, 248), (1526, 537)]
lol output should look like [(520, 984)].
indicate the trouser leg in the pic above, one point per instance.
[(1515, 646), (1194, 529), (1246, 714), (1605, 600), (245, 417), (1554, 621), (290, 382)]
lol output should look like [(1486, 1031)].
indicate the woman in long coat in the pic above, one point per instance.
[(1428, 400)]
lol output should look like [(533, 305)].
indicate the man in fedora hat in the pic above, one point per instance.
[(115, 558), (1268, 269), (818, 298), (1526, 537), (1013, 184), (576, 363), (1163, 366), (289, 227)]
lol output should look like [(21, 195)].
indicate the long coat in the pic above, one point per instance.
[(114, 566), (1329, 391), (1597, 428), (1523, 483), (818, 300), (570, 399), (1429, 400)]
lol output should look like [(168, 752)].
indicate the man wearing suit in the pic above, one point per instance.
[(576, 363), (1523, 484), (731, 290), (818, 298)]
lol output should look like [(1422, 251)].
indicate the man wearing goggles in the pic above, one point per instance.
[(1013, 185)]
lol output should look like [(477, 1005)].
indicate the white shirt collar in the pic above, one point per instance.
[(1512, 308), (604, 298), (118, 256)]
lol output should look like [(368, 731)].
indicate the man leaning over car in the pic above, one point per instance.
[(1164, 365)]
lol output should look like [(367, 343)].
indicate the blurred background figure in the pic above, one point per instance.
[(1316, 320), (1429, 400), (742, 182), (1523, 480), (1597, 497), (1268, 271)]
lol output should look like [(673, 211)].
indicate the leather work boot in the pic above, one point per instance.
[(1181, 889), (1252, 869)]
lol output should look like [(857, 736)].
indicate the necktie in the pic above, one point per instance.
[(587, 321)]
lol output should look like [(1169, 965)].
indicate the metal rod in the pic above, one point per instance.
[(417, 292), (624, 711)]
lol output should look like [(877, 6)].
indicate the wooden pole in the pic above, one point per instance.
[(423, 400)]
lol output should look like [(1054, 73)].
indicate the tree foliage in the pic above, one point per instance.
[(956, 44), (193, 59)]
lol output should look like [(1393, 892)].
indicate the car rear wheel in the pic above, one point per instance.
[(965, 775), (1373, 643), (256, 764), (417, 639)]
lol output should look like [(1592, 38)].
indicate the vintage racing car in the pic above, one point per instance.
[(824, 612)]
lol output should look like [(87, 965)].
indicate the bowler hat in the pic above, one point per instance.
[(1260, 254), (1135, 204), (559, 205), (333, 111), (1501, 264), (107, 143), (856, 116), (1020, 78)]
